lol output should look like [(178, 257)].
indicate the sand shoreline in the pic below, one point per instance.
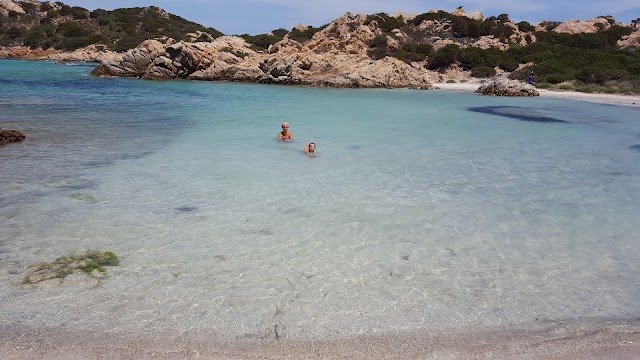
[(618, 340), (613, 99)]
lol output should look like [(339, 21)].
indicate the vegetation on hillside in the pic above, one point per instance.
[(587, 60), (67, 28)]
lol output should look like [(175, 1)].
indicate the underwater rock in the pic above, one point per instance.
[(82, 197), (67, 265), (9, 136), (635, 147)]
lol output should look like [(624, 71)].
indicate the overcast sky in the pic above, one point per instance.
[(261, 16)]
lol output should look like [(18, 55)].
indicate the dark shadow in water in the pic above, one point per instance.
[(99, 163), (135, 156), (516, 112), (110, 161), (354, 147), (635, 147), (186, 208)]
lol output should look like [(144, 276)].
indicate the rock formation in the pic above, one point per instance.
[(334, 57), (631, 42), (91, 53), (8, 136), (589, 26), (9, 5), (501, 86)]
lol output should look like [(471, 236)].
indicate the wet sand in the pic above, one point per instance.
[(615, 99), (619, 340)]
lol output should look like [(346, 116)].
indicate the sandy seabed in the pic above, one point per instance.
[(613, 339)]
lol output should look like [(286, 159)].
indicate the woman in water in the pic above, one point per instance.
[(310, 149)]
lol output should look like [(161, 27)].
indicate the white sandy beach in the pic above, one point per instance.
[(614, 99)]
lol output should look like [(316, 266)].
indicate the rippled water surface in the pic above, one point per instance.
[(425, 210)]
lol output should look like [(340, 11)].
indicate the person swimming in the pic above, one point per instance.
[(310, 149), (285, 134)]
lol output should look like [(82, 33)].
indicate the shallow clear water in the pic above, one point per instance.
[(425, 210)]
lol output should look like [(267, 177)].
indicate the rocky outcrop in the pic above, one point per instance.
[(8, 5), (501, 86), (579, 26), (631, 42), (334, 57), (476, 15), (133, 63), (9, 136), (91, 53)]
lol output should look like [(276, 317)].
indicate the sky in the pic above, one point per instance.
[(235, 17)]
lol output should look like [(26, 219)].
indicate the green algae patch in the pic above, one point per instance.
[(82, 197), (67, 265)]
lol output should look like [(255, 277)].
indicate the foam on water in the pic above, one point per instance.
[(424, 210)]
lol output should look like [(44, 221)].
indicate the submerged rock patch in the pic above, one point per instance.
[(9, 136), (516, 112), (67, 265), (635, 147)]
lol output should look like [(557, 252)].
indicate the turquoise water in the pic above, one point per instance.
[(419, 214)]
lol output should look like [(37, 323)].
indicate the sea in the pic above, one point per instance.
[(425, 211)]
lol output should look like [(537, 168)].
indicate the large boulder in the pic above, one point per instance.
[(502, 86), (9, 136), (631, 42), (133, 63), (580, 27), (9, 5)]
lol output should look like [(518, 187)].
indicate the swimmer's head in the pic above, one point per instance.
[(312, 147), (285, 125)]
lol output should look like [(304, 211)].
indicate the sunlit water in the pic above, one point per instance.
[(425, 210)]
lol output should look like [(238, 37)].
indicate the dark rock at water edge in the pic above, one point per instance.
[(9, 136)]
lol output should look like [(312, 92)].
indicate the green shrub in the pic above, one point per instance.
[(444, 57), (14, 33), (525, 26), (385, 22), (483, 72), (302, 36), (79, 13), (262, 41), (280, 32), (72, 29)]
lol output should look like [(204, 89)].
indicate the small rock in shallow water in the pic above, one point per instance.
[(635, 147)]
